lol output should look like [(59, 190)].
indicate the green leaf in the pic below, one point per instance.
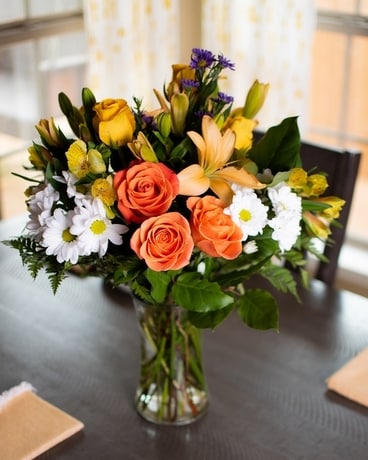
[(160, 282), (181, 149), (310, 205), (258, 309), (279, 148), (281, 278), (193, 293), (210, 319)]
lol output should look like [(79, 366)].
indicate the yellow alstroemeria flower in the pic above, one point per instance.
[(214, 152), (81, 162), (104, 190), (336, 204)]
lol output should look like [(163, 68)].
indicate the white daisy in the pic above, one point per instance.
[(94, 229), (58, 240), (283, 199), (247, 211), (286, 229), (40, 208), (70, 179), (288, 212)]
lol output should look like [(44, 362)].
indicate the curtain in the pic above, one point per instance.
[(131, 46), (267, 40)]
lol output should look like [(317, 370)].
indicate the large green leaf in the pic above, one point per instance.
[(258, 309), (210, 319), (279, 148), (160, 282), (193, 293)]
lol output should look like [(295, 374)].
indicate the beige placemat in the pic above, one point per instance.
[(29, 425), (351, 380)]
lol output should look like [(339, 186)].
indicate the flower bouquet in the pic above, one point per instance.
[(179, 204)]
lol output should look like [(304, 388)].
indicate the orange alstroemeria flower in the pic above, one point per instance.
[(214, 153)]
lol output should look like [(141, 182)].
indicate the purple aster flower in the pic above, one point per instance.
[(223, 98), (190, 83), (201, 58), (225, 63)]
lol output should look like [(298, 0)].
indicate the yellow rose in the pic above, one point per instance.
[(114, 122), (243, 129)]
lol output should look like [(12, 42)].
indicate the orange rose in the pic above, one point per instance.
[(145, 190), (214, 232), (164, 242), (114, 122)]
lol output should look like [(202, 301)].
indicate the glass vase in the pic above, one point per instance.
[(172, 388)]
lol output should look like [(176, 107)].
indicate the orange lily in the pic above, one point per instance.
[(214, 153)]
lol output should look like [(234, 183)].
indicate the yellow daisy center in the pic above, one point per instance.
[(67, 236), (98, 227), (245, 215)]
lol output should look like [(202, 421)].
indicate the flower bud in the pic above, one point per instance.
[(142, 148), (179, 110), (255, 99), (49, 133), (164, 124)]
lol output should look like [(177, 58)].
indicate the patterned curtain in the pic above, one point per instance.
[(131, 46), (269, 40)]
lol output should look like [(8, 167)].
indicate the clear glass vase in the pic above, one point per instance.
[(172, 388)]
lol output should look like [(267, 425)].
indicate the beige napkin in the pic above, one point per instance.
[(30, 425), (351, 380)]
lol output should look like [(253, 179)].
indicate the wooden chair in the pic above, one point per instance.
[(342, 168)]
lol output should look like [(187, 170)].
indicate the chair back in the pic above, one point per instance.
[(342, 168)]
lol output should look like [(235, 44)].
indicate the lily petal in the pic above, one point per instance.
[(193, 181), (222, 189), (201, 146), (239, 177)]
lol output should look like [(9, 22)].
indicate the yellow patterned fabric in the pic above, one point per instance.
[(130, 44), (267, 40)]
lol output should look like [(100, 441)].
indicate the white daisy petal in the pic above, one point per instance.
[(58, 240), (94, 229), (247, 211)]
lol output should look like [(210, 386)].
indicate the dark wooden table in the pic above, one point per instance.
[(269, 400)]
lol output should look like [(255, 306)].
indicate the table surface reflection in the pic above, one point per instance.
[(268, 397)]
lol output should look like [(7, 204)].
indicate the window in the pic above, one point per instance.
[(339, 98), (42, 52)]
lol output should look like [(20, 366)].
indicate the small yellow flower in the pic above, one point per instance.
[(81, 162), (104, 190), (298, 178), (316, 185), (336, 204)]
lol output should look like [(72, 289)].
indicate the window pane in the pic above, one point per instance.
[(364, 7), (18, 92), (11, 11), (327, 79), (357, 103), (341, 6), (41, 8)]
